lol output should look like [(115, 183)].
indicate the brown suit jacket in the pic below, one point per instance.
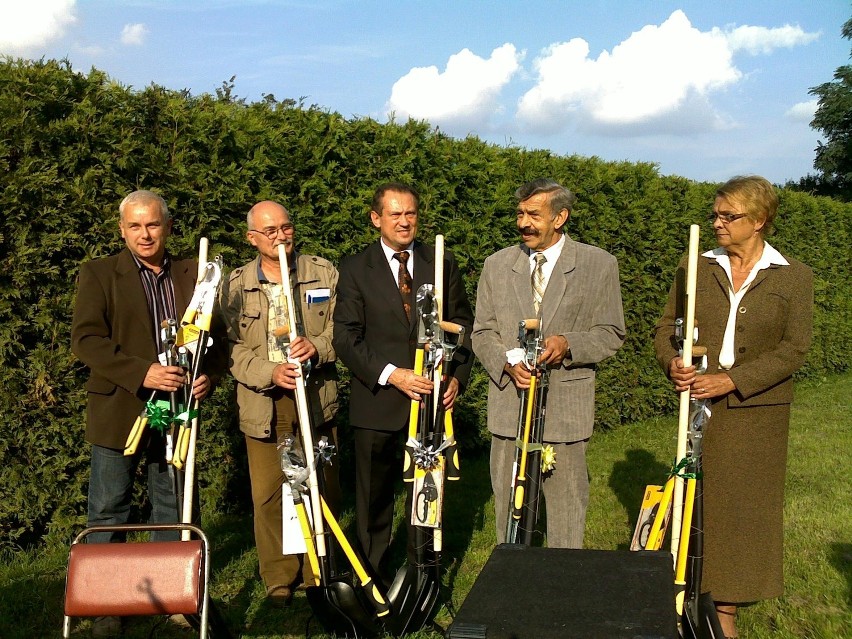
[(773, 333), (112, 334)]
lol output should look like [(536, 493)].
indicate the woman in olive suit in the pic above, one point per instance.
[(754, 313)]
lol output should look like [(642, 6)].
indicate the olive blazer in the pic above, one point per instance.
[(773, 331), (112, 333)]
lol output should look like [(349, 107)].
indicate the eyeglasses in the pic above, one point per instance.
[(272, 232), (726, 218)]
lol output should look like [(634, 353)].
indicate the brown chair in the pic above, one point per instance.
[(138, 578)]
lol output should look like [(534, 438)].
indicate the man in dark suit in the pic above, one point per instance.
[(121, 302), (375, 335)]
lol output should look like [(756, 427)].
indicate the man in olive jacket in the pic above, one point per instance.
[(121, 302), (252, 307)]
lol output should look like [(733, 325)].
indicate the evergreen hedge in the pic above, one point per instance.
[(72, 145)]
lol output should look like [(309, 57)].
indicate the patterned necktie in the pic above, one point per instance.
[(404, 280), (538, 281)]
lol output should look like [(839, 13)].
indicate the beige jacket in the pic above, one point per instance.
[(245, 309), (582, 302)]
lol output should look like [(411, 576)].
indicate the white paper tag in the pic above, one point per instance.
[(293, 540)]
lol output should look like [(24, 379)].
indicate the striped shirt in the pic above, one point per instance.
[(160, 294)]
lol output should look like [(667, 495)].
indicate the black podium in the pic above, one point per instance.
[(550, 593)]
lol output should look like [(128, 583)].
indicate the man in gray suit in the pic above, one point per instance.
[(579, 303)]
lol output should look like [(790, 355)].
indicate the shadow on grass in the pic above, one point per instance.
[(628, 479), (841, 559), (464, 511)]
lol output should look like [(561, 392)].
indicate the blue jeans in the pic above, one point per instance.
[(111, 489)]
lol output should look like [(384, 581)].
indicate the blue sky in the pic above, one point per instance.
[(704, 89)]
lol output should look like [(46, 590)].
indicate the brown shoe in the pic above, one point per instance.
[(106, 627), (180, 621), (727, 614), (279, 596)]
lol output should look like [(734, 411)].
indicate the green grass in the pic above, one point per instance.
[(818, 544)]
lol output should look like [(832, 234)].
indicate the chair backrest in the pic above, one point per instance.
[(154, 578), (138, 578)]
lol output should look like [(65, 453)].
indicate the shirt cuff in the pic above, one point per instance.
[(386, 373)]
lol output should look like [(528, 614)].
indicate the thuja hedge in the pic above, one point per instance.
[(72, 145)]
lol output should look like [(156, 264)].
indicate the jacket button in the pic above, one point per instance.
[(742, 309), (321, 313), (742, 349)]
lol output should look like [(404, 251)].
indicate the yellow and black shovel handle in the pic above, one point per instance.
[(521, 477), (413, 420), (377, 599), (135, 435), (657, 533), (451, 452), (683, 547), (308, 534)]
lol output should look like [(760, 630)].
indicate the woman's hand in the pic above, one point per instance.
[(682, 376), (701, 386), (710, 386)]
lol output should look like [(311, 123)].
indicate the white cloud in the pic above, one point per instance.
[(134, 34), (466, 93), (26, 25), (654, 72), (757, 40), (659, 80), (803, 111)]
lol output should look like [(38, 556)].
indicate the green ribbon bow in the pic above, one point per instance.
[(159, 415)]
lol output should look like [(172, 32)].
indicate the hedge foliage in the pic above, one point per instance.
[(72, 145)]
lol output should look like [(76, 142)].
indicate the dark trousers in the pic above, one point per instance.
[(378, 469)]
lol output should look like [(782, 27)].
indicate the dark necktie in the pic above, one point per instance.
[(404, 280)]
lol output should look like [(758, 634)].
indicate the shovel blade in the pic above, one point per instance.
[(340, 611), (700, 620), (414, 597)]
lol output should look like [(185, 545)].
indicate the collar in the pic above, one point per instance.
[(261, 277), (770, 257), (389, 252), (164, 267), (552, 253)]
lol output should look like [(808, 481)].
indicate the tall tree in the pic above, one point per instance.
[(833, 118)]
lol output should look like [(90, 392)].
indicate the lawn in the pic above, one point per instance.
[(818, 543)]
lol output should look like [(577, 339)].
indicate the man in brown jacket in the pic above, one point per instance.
[(251, 303), (121, 302)]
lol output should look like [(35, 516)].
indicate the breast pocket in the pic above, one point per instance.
[(251, 329), (316, 317)]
